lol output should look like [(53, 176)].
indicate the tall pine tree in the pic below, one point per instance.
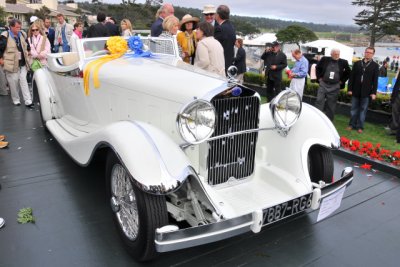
[(379, 18)]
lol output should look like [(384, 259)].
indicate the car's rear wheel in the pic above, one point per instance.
[(320, 164), (136, 214)]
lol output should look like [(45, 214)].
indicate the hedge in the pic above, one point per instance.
[(381, 102)]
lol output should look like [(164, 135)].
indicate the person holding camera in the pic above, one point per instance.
[(274, 62)]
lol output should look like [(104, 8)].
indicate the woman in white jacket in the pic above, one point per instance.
[(76, 35), (209, 52)]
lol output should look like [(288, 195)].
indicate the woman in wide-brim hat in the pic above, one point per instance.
[(187, 37)]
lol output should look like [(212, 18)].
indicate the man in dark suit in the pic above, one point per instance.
[(112, 27), (50, 32), (225, 33), (332, 74), (240, 60), (274, 62), (99, 29), (363, 84), (166, 10)]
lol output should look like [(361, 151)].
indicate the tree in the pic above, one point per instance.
[(379, 18), (153, 2), (40, 13), (3, 14), (295, 34)]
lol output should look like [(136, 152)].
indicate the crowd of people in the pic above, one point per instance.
[(332, 73), (210, 44)]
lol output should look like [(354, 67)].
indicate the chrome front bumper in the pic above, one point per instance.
[(167, 240)]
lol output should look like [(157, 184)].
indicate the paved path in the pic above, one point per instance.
[(74, 225)]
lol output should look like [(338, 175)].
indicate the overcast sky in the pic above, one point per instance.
[(317, 11)]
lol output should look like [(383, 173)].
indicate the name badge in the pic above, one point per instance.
[(331, 75)]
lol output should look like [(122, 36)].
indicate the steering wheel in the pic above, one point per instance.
[(99, 53)]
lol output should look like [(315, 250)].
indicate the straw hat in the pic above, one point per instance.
[(188, 18), (208, 9)]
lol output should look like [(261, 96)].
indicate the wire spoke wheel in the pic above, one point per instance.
[(137, 214), (124, 196)]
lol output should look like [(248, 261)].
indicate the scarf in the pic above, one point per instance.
[(78, 33)]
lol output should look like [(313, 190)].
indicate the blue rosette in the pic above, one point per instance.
[(136, 45)]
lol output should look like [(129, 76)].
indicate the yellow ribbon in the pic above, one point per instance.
[(117, 46)]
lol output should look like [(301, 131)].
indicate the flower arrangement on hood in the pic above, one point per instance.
[(371, 151), (117, 47)]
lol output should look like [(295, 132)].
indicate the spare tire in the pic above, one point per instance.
[(320, 164)]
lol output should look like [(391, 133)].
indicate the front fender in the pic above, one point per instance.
[(290, 152), (153, 159)]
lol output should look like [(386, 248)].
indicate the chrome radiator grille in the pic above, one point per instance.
[(233, 156)]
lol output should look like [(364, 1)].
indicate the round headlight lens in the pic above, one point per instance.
[(286, 109), (196, 121)]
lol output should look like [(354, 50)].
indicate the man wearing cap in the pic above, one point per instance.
[(225, 33), (166, 10), (274, 62), (32, 20), (209, 14), (187, 37)]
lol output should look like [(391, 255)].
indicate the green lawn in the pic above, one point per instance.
[(374, 133)]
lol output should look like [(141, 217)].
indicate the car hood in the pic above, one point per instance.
[(161, 76)]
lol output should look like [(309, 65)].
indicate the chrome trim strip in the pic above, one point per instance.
[(199, 235), (345, 180), (186, 145)]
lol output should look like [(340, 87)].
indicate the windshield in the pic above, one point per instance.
[(94, 47)]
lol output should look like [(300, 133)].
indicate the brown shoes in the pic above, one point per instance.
[(2, 143), (349, 128)]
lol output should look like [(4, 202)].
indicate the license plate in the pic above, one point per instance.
[(286, 209)]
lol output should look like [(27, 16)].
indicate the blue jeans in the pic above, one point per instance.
[(64, 47), (359, 107)]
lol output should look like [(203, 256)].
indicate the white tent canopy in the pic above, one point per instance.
[(261, 40), (325, 47)]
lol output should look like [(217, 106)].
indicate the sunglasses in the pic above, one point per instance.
[(35, 30), (209, 14)]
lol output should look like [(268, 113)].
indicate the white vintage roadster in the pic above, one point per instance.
[(192, 157)]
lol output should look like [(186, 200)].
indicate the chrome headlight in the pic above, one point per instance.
[(196, 121), (285, 109)]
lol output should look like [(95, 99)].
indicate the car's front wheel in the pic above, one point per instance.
[(136, 214), (320, 164)]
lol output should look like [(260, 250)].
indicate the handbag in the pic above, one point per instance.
[(36, 64)]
